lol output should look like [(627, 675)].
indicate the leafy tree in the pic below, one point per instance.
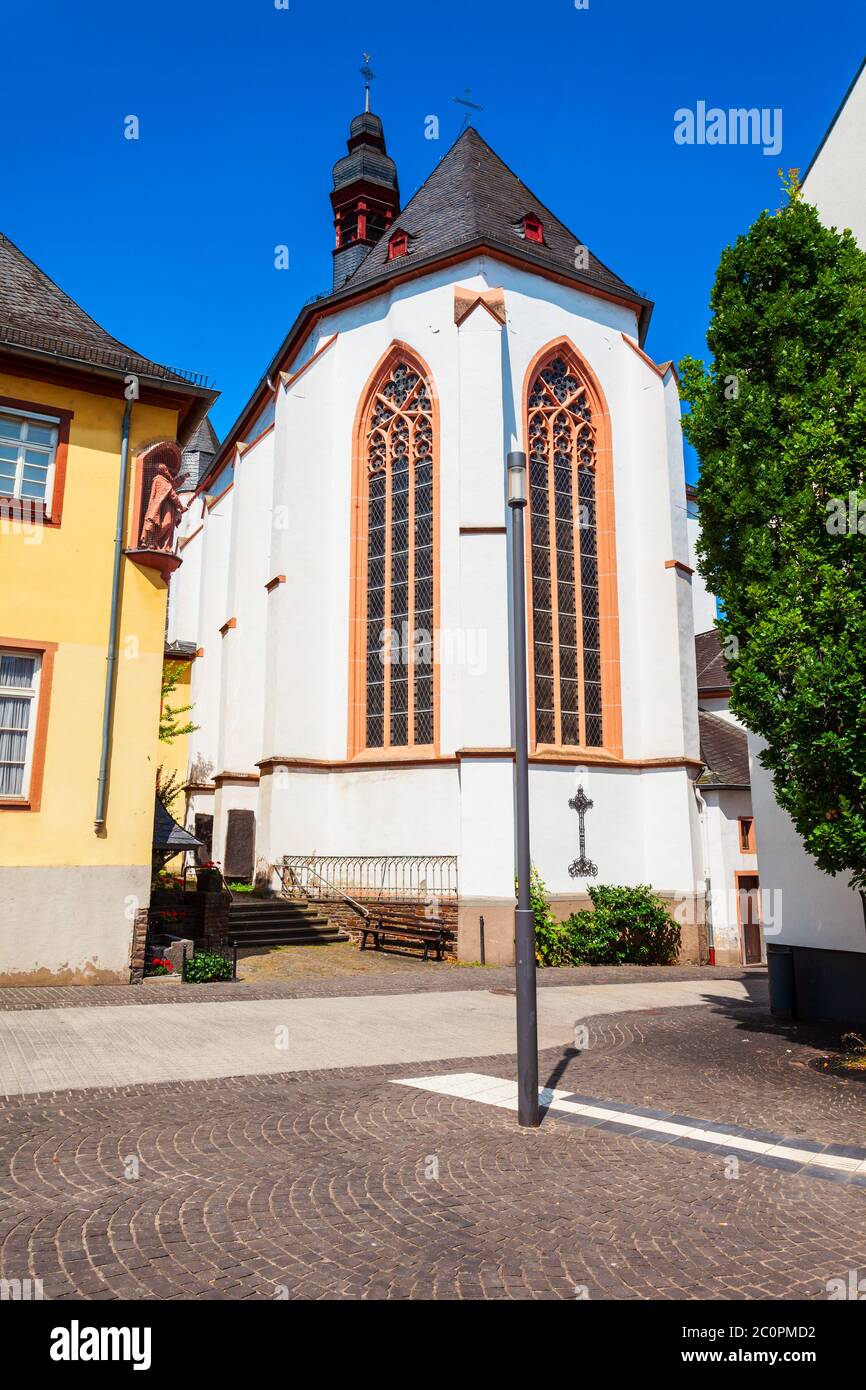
[(170, 726), (169, 786), (778, 420)]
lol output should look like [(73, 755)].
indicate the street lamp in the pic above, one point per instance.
[(524, 923)]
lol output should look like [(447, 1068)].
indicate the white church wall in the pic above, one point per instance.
[(476, 649), (206, 679), (184, 591), (644, 444), (834, 183), (374, 811), (703, 602), (292, 644), (243, 646), (809, 908)]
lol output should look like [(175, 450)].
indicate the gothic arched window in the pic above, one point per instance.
[(396, 539), (572, 691)]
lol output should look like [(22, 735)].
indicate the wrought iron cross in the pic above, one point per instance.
[(368, 74), (470, 107), (582, 867)]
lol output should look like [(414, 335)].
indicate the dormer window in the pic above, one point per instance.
[(398, 245), (532, 229)]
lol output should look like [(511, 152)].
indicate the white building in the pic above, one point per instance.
[(814, 923), (345, 574)]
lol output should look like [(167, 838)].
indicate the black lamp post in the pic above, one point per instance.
[(524, 923)]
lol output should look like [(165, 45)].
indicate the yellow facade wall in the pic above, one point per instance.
[(55, 585)]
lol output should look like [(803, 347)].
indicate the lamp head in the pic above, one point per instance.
[(517, 479)]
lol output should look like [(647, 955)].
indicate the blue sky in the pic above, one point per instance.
[(169, 241)]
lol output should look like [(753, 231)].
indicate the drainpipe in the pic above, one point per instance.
[(705, 848), (111, 661)]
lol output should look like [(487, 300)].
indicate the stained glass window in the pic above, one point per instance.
[(401, 535), (564, 558)]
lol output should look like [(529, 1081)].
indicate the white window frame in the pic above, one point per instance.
[(31, 692), (53, 422)]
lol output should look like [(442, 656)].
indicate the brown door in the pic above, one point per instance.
[(749, 908)]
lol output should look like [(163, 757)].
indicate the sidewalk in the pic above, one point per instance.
[(81, 1048)]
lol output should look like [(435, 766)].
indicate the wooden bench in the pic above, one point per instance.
[(395, 929)]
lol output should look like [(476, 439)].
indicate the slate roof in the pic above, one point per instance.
[(197, 456), (36, 315), (471, 198), (167, 834), (712, 672), (473, 195), (724, 751)]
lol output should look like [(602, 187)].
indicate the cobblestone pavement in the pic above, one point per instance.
[(410, 978), (342, 1185)]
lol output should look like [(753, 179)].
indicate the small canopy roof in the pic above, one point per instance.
[(167, 834)]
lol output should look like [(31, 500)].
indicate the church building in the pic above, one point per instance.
[(345, 575)]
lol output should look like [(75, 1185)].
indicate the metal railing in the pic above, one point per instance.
[(12, 335), (402, 877), (292, 886)]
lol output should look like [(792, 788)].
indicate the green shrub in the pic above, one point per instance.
[(629, 926), (549, 934), (241, 887), (206, 966)]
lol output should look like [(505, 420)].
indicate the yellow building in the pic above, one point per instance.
[(83, 584)]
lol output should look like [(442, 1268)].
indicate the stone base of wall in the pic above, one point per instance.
[(829, 986), (486, 926), (211, 921), (70, 925)]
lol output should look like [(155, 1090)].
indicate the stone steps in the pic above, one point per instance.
[(264, 922)]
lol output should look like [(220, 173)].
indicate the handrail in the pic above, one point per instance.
[(355, 906), (401, 877)]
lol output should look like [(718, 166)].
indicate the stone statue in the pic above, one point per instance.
[(162, 508)]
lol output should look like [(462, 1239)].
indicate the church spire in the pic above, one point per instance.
[(366, 195)]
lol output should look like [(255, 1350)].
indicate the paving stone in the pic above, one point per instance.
[(314, 1182)]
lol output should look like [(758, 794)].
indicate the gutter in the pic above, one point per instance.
[(114, 621), (705, 855), (191, 401)]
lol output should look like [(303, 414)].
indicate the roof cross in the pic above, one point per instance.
[(368, 74), (470, 107)]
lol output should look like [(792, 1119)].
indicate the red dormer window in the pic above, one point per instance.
[(398, 246), (532, 229)]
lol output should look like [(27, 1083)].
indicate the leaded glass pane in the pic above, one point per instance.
[(563, 557), (400, 597)]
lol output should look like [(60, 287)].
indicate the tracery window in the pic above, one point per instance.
[(566, 629), (400, 530)]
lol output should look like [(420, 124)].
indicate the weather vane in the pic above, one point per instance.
[(368, 74), (470, 107)]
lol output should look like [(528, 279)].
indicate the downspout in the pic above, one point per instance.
[(705, 853), (111, 661)]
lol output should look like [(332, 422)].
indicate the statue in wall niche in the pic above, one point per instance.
[(162, 508)]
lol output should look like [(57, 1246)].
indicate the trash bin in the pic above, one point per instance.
[(783, 989)]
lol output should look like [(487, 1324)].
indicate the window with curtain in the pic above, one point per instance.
[(400, 538), (19, 677), (566, 642)]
